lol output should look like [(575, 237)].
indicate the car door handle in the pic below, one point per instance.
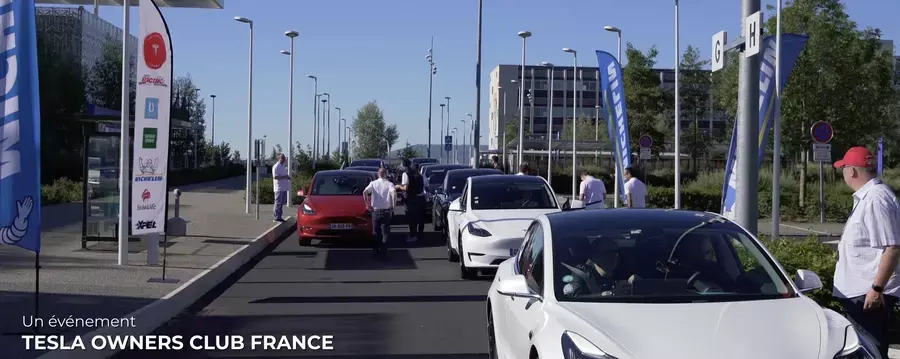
[(530, 334)]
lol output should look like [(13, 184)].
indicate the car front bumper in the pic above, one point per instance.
[(312, 227), (488, 252)]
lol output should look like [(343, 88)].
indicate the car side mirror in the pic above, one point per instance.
[(516, 287), (567, 204), (301, 192), (807, 281), (455, 206)]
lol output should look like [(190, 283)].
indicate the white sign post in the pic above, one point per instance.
[(753, 34), (151, 123), (822, 152), (719, 40)]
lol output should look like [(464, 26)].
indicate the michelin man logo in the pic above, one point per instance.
[(148, 166), (16, 231)]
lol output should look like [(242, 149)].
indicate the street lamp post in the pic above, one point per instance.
[(448, 122), (471, 123), (524, 35), (518, 89), (196, 130), (324, 150), (341, 143), (678, 111), (328, 125), (574, 119), (339, 131), (212, 130), (549, 67), (476, 125), (431, 71), (315, 119), (455, 150), (291, 34), (249, 113), (501, 124), (465, 151), (125, 180), (619, 58), (442, 131), (776, 131)]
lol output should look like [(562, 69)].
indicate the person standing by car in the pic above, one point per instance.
[(635, 190), (380, 198), (866, 280), (281, 183), (414, 184), (593, 191), (523, 170), (495, 163)]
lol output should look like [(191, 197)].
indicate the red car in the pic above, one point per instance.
[(334, 207)]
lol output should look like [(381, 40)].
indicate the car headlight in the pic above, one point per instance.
[(478, 232), (307, 210), (575, 346), (853, 346)]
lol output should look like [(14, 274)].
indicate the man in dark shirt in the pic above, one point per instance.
[(596, 276)]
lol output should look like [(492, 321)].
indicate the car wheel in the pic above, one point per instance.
[(492, 338), (451, 255), (465, 272), (304, 241)]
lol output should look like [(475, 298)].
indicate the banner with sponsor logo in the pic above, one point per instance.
[(616, 113), (791, 47), (20, 129), (151, 122)]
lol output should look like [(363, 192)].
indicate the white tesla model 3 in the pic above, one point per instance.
[(487, 223), (654, 284)]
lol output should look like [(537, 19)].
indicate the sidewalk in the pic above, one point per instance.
[(89, 283)]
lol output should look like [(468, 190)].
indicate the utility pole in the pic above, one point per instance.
[(477, 125), (748, 126), (431, 71)]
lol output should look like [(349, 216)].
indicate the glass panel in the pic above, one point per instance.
[(103, 186)]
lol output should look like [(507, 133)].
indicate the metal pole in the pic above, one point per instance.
[(503, 128), (521, 149), (531, 104), (430, 93), (443, 152), (748, 133), (776, 132), (212, 132), (677, 111), (821, 192), (125, 145), (290, 126), (249, 119), (259, 149), (617, 196), (315, 151), (564, 106), (328, 127), (574, 127), (550, 128), (476, 134)]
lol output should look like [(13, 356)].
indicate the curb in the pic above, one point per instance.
[(152, 316)]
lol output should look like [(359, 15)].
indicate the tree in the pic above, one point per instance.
[(512, 130), (369, 128), (104, 80), (409, 152), (62, 95), (391, 135), (647, 102), (695, 99), (587, 130), (187, 105)]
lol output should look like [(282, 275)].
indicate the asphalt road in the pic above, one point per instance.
[(412, 306)]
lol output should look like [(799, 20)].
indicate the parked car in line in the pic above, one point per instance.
[(449, 190), (657, 283), (487, 223), (334, 207), (370, 162), (434, 178)]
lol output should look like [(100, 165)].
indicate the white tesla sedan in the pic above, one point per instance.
[(653, 283), (487, 222)]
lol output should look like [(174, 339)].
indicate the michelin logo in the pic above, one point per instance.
[(17, 230)]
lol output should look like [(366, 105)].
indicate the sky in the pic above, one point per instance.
[(363, 50)]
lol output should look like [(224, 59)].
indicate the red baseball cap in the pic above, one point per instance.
[(856, 157)]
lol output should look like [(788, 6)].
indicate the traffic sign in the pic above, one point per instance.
[(646, 141), (448, 140), (719, 40), (821, 132), (753, 34), (821, 152), (448, 147), (645, 153)]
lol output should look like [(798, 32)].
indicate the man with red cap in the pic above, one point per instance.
[(866, 280)]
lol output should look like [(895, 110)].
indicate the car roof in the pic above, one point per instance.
[(494, 178), (664, 218), (445, 166), (344, 172), (367, 160), (366, 168), (471, 171)]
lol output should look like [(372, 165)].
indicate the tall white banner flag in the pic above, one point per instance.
[(151, 122)]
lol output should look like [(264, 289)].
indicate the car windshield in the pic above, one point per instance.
[(436, 175), (366, 163), (511, 194), (341, 184), (420, 161), (636, 260), (457, 181)]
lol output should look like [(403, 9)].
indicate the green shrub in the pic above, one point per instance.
[(267, 194), (62, 190), (810, 254)]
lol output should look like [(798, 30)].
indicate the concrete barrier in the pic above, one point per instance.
[(154, 315)]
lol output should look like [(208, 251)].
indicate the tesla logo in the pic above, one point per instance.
[(154, 51)]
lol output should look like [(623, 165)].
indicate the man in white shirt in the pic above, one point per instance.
[(866, 276), (281, 183), (523, 170), (593, 191), (635, 190), (380, 198)]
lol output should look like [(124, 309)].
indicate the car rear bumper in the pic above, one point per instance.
[(488, 252)]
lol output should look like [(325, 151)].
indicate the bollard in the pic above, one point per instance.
[(177, 203), (151, 241)]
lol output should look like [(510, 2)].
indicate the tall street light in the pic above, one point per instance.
[(249, 113), (476, 126), (471, 134), (343, 130), (442, 131), (524, 35), (328, 124), (431, 71), (776, 131), (518, 89), (324, 150), (448, 114), (315, 119), (290, 34), (465, 151), (339, 130), (619, 58), (455, 150), (574, 118), (677, 110), (549, 67), (212, 131)]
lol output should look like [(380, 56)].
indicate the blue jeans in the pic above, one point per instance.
[(381, 228), (280, 199)]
